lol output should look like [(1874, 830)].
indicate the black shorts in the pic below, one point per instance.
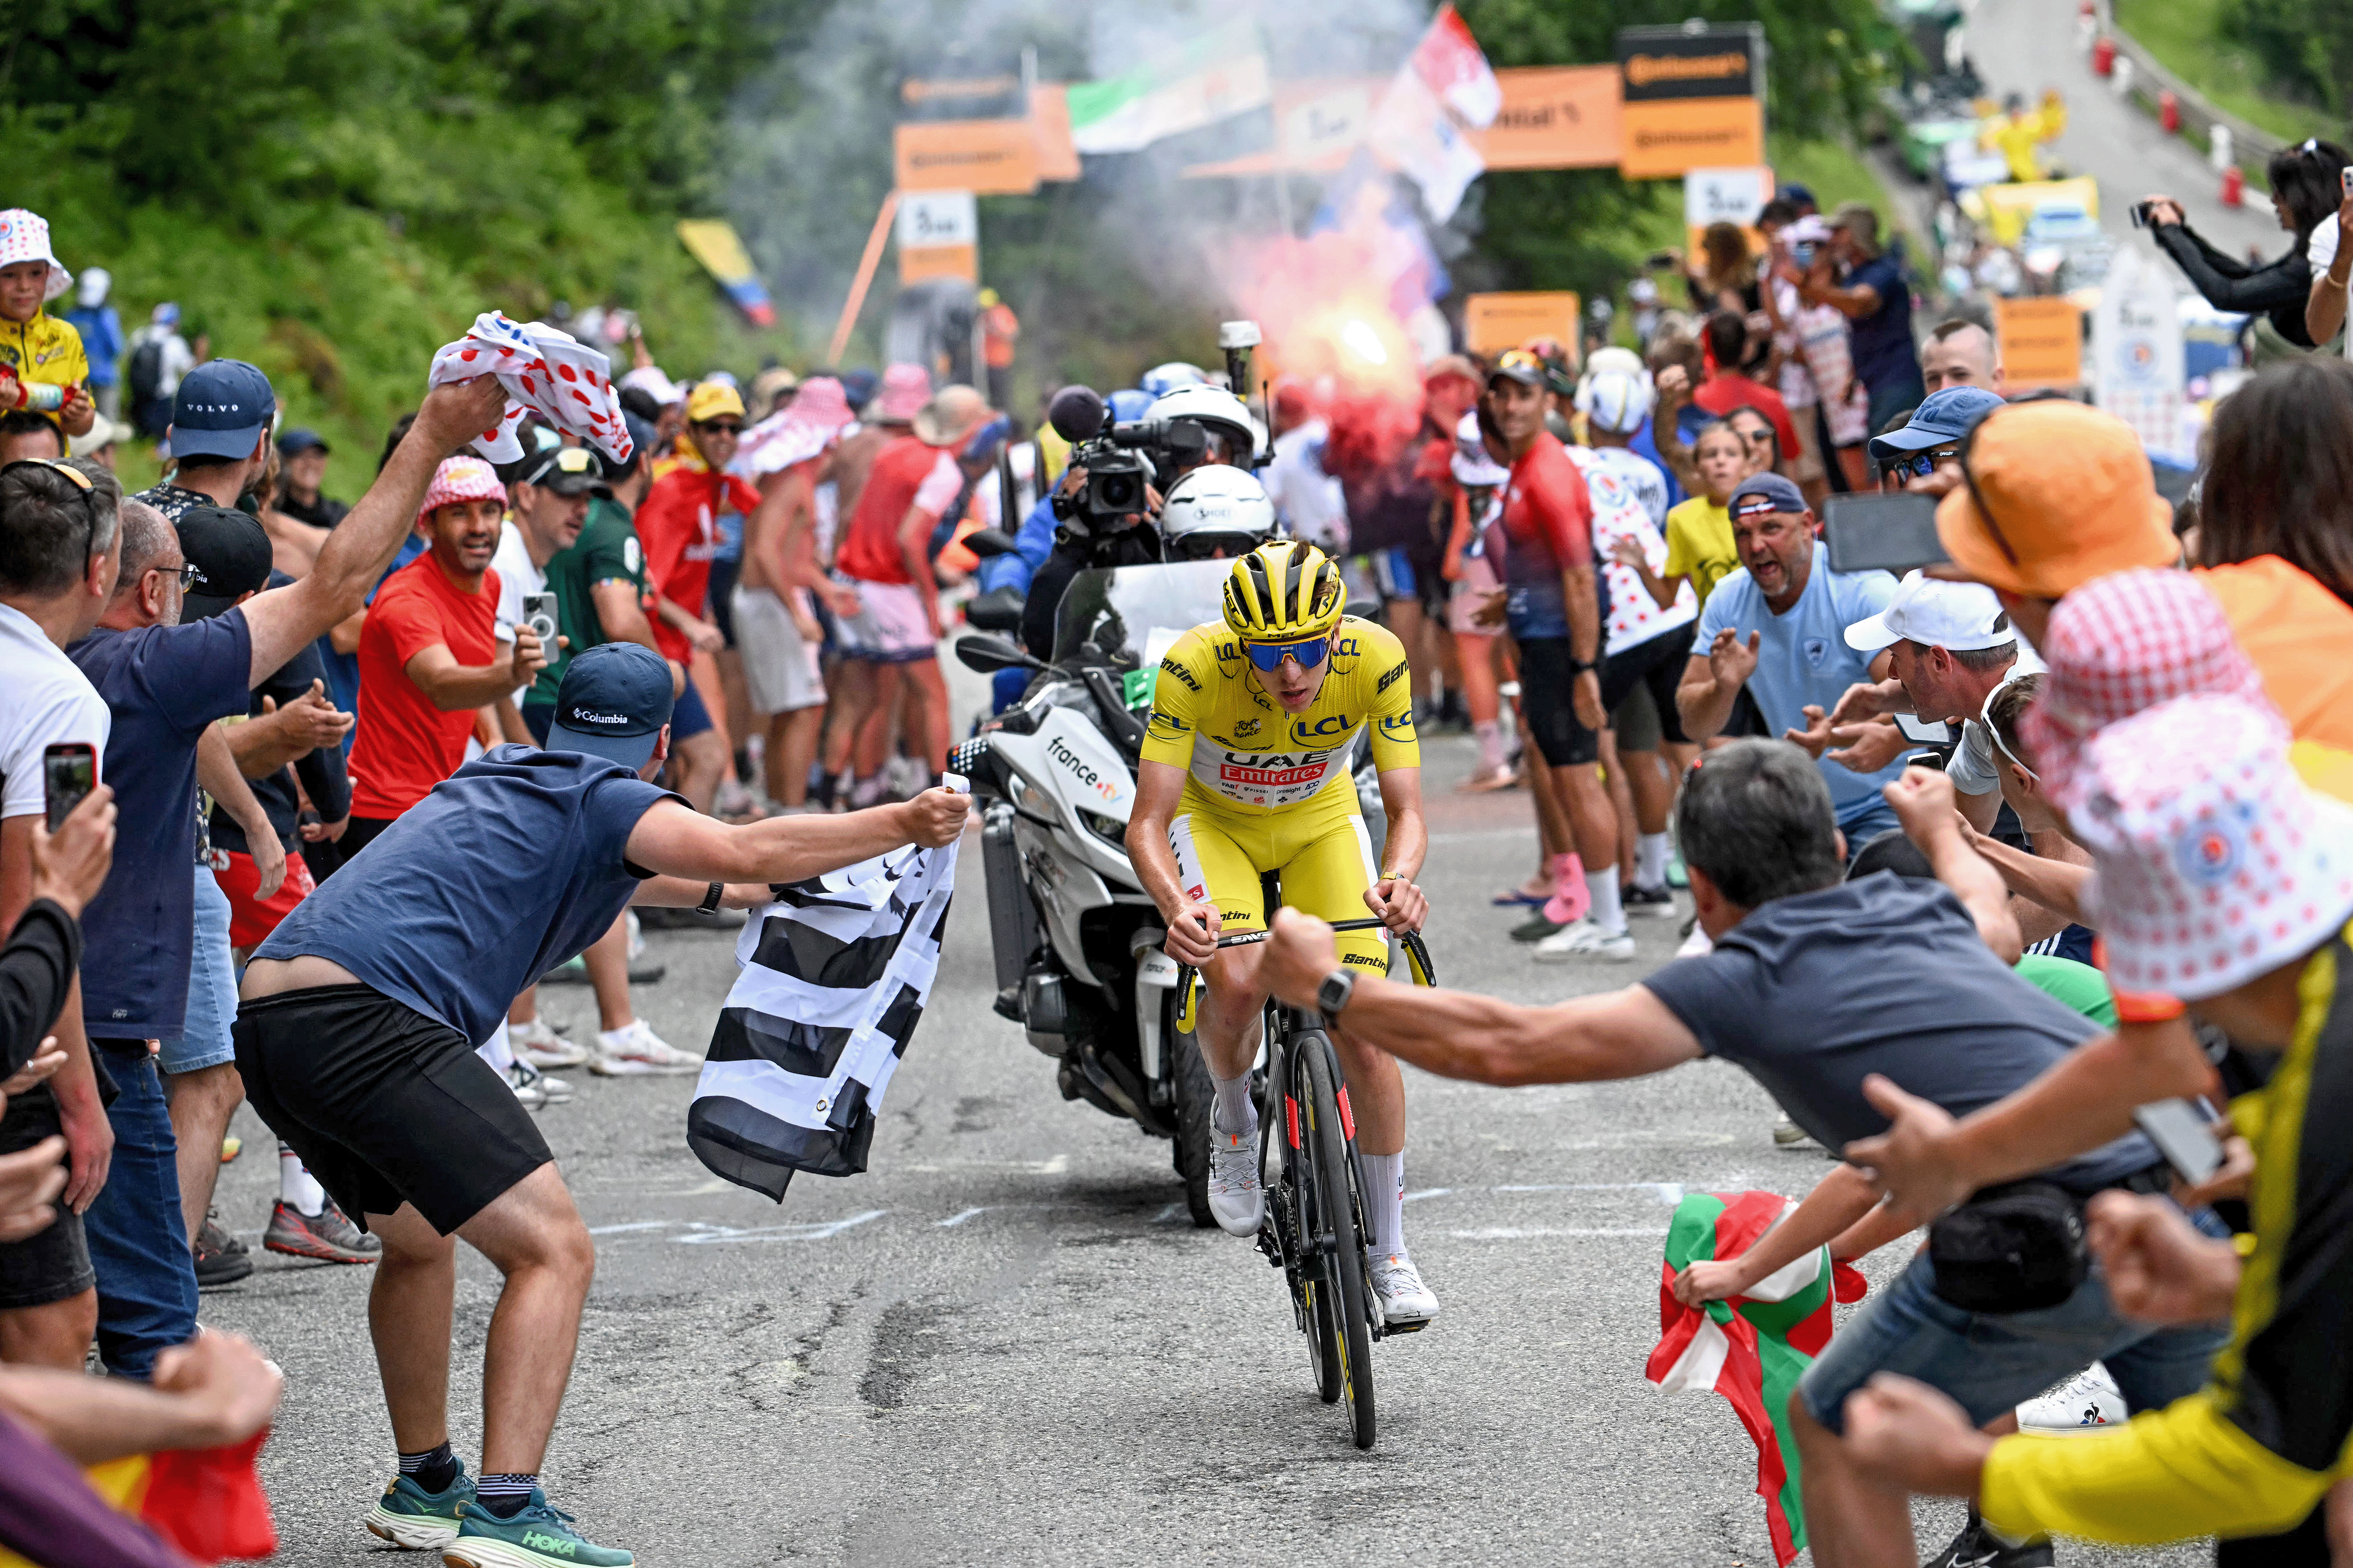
[(722, 595), (1746, 720), (1656, 667), (1545, 690), (360, 833), (384, 1104), (53, 1264)]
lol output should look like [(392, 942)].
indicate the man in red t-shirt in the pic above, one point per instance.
[(429, 659), (1726, 389), (679, 527), (885, 559)]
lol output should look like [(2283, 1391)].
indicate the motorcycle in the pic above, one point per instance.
[(1076, 939)]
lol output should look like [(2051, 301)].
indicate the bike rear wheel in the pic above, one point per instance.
[(1328, 1208)]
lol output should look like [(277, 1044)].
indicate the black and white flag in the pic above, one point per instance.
[(836, 972)]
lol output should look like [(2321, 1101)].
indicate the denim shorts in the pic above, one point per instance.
[(1990, 1361), (205, 1040)]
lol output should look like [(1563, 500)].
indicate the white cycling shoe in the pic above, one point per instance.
[(1237, 1201), (1405, 1302)]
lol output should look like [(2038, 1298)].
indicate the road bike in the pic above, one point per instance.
[(1314, 1228)]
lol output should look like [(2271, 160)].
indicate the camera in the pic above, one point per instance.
[(2140, 211), (1120, 460)]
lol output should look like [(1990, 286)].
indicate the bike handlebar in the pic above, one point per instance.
[(1418, 962)]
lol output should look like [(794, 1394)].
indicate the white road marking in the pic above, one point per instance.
[(1518, 1233)]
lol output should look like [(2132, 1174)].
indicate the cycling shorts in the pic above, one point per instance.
[(1319, 846)]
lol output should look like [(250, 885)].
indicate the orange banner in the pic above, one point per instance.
[(1662, 138), (986, 157), (918, 262), (1553, 117), (1050, 123), (1494, 323), (2041, 341)]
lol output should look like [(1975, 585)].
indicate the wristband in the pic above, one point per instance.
[(710, 904)]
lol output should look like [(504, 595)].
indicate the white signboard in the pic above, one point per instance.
[(2136, 352), (937, 218), (1725, 195), (1326, 124)]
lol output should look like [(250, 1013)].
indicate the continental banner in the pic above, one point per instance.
[(1691, 99)]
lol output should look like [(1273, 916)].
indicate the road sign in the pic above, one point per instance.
[(938, 217), (2042, 339), (1494, 323)]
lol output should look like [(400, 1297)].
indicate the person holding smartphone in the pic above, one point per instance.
[(2307, 188)]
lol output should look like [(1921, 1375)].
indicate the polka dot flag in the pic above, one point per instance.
[(546, 372)]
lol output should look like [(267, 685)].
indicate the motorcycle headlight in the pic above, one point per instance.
[(1110, 829)]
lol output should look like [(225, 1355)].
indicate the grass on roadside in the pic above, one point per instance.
[(2186, 36)]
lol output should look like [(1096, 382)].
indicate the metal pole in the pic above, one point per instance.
[(866, 265)]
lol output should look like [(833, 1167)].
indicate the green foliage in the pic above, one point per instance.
[(2280, 64), (2304, 47)]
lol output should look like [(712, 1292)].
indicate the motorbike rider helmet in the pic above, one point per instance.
[(1216, 510), (1129, 403), (1163, 379), (1219, 413), (1288, 591)]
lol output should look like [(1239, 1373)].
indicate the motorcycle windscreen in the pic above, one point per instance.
[(1131, 612)]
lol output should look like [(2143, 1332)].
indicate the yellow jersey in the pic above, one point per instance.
[(44, 350), (1211, 717)]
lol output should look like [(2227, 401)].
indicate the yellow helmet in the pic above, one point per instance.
[(1284, 592)]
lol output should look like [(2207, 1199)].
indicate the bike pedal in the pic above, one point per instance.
[(1413, 1327)]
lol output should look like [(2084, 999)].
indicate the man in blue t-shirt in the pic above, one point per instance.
[(165, 684), (1777, 628), (356, 1039), (1872, 294)]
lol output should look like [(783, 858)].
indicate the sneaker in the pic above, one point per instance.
[(417, 1521), (221, 1258), (522, 1076), (1537, 927), (1585, 940), (538, 1537), (1788, 1134), (634, 1048), (1503, 776), (1678, 876), (1696, 943), (1656, 902), (328, 1236), (542, 1047), (231, 1147), (1405, 1302), (735, 800), (2086, 1402), (1236, 1199), (1977, 1547)]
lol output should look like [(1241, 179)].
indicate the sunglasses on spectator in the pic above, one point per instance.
[(1920, 465), (1269, 656), (81, 482), (559, 459), (722, 426), (187, 572)]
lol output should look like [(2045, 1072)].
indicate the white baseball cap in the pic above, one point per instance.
[(1961, 616)]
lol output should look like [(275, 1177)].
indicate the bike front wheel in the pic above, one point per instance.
[(1342, 1321)]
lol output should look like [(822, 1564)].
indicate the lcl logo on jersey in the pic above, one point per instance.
[(1323, 729)]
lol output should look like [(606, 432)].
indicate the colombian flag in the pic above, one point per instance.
[(1753, 1348)]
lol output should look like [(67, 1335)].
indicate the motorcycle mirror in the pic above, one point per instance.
[(989, 653), (998, 610), (987, 542), (1077, 413)]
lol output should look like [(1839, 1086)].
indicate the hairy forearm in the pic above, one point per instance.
[(679, 893), (1836, 1202), (217, 773), (92, 1420), (1584, 609), (2056, 885), (2084, 1101), (1454, 1034), (262, 746), (1705, 706)]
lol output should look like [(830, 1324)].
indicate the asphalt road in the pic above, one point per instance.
[(1004, 1344)]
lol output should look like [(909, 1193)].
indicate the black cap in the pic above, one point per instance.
[(568, 471), (231, 555), (613, 702)]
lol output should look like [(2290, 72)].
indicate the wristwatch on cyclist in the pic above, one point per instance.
[(1334, 993)]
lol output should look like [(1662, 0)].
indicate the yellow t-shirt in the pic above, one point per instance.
[(1699, 545), (1211, 717), (44, 350)]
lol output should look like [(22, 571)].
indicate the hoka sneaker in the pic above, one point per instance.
[(543, 1048), (1405, 1302), (329, 1236), (634, 1048), (1585, 940), (538, 1537), (1236, 1199), (415, 1520)]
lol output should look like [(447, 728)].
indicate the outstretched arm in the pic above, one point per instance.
[(674, 840)]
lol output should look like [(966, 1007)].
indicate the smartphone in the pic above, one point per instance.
[(539, 614), (69, 772), (2345, 178), (1922, 732), (2178, 1129), (2140, 213), (1891, 532), (1660, 258)]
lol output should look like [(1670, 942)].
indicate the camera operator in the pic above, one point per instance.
[(2306, 184)]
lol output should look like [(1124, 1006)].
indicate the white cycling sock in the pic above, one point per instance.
[(1383, 1176), (1234, 1112), (297, 1186), (1490, 744), (1609, 910), (1651, 860)]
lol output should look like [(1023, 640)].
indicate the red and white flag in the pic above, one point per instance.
[(1443, 91)]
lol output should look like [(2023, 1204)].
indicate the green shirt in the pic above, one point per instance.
[(606, 552), (2077, 986)]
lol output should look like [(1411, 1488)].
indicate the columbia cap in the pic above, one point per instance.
[(230, 553), (1761, 493), (1962, 616), (1944, 419), (222, 408), (613, 703)]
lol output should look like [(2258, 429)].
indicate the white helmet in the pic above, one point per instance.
[(1166, 378), (1616, 400), (1215, 508), (1217, 411)]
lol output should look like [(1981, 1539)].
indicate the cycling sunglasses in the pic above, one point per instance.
[(1920, 465), (560, 461), (1269, 656)]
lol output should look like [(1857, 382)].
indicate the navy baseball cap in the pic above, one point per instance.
[(302, 439), (1944, 417), (613, 702), (1762, 493), (222, 406)]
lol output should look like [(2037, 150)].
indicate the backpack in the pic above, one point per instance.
[(145, 373)]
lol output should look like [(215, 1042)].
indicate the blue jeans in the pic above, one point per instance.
[(138, 1243), (1871, 819), (1988, 1362), (205, 1040)]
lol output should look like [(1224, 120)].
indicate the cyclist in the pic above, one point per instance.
[(1246, 770)]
